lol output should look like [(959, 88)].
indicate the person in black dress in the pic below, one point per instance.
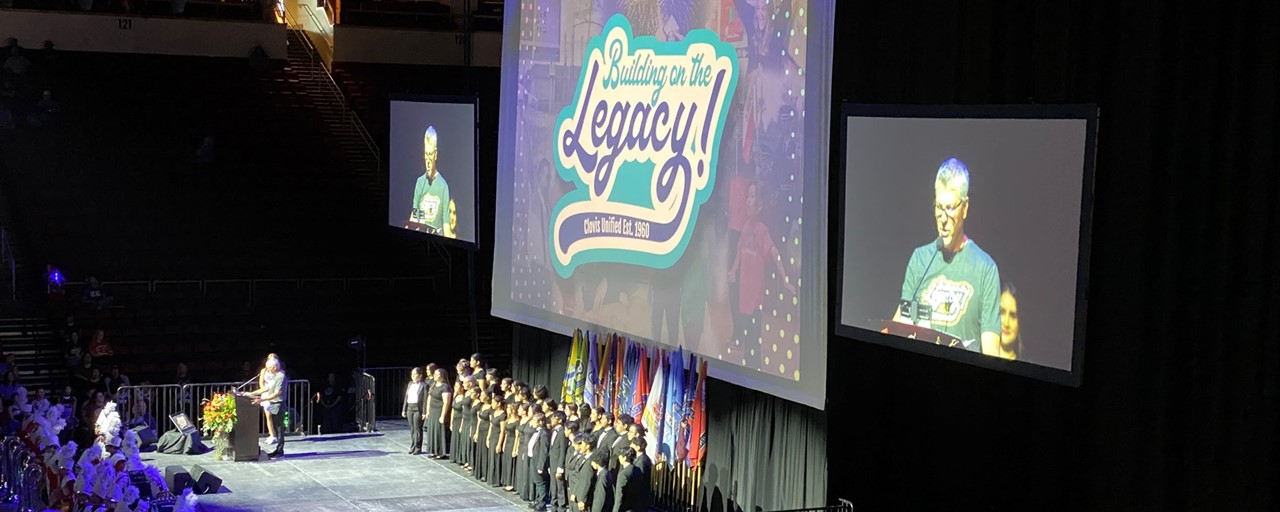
[(484, 423), (439, 400), (455, 423), (510, 435), (415, 398), (524, 485), (465, 426), (493, 441), (475, 414)]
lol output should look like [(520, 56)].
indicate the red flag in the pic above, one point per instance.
[(642, 384), (620, 357), (698, 426)]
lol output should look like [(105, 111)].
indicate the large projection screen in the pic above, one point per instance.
[(965, 233), (663, 174), (432, 172)]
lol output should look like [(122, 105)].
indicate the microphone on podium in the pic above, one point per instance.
[(915, 310)]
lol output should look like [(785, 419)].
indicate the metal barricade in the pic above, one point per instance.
[(164, 400), (390, 397)]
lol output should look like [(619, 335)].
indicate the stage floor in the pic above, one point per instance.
[(344, 472)]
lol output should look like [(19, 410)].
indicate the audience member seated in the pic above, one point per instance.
[(81, 374), (45, 110), (94, 295), (140, 416), (115, 380), (10, 386), (8, 364), (41, 403), (96, 382), (98, 346), (16, 65)]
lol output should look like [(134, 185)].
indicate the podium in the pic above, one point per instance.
[(244, 437), (916, 332)]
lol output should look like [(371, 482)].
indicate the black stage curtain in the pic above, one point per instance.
[(1178, 406), (761, 450), (540, 357)]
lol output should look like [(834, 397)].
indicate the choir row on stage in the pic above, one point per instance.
[(560, 457)]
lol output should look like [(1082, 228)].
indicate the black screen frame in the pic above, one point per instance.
[(474, 101), (1087, 112)]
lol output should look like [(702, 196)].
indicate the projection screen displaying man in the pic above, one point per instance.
[(431, 211), (952, 276)]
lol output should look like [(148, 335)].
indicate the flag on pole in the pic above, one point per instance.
[(573, 369), (686, 409), (627, 385), (593, 377), (674, 398), (653, 409), (619, 372), (605, 394), (698, 425), (640, 394)]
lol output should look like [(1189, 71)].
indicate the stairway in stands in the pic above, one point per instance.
[(31, 339), (349, 133)]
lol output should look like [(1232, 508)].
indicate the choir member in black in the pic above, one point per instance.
[(493, 441), (540, 395), (540, 462), (491, 379), (549, 406), (481, 437), (635, 430), (600, 499), (510, 433), (415, 400), (465, 425), (522, 459), (527, 429), (631, 491), (477, 362), (505, 386), (559, 450), (642, 461), (605, 432), (619, 444), (439, 400), (570, 411), (455, 422), (582, 473)]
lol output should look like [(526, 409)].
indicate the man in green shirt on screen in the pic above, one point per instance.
[(431, 192), (951, 274)]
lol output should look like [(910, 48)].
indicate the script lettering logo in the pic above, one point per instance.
[(640, 142)]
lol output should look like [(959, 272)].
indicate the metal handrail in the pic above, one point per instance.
[(317, 64), (167, 399)]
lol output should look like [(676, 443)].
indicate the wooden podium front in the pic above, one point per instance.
[(244, 437), (916, 332)]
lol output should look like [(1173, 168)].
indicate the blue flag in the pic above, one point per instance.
[(674, 401), (593, 371)]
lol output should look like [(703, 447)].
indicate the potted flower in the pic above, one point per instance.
[(217, 419)]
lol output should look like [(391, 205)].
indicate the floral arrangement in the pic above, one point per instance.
[(219, 414)]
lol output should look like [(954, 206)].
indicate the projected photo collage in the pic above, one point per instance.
[(665, 196)]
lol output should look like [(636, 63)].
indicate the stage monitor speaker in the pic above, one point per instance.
[(206, 481), (146, 436), (178, 479)]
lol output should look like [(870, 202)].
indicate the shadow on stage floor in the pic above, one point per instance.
[(344, 472)]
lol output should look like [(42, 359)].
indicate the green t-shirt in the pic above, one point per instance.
[(431, 203), (963, 292)]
